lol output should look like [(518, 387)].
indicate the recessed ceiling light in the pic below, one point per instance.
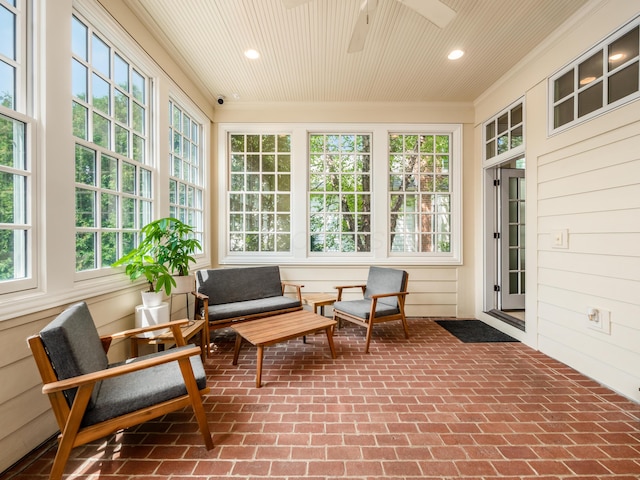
[(455, 54), (617, 56), (252, 54)]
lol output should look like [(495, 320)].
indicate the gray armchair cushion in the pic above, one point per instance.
[(133, 391), (385, 280), (229, 285), (362, 308), (74, 347)]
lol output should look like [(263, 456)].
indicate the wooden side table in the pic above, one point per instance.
[(317, 301), (189, 331)]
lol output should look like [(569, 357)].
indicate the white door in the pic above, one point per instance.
[(511, 289)]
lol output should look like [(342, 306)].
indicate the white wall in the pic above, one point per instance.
[(586, 180)]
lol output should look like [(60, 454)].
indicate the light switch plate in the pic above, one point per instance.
[(560, 238)]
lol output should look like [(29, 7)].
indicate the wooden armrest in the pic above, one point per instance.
[(200, 296), (136, 331), (394, 294), (297, 286), (170, 356), (342, 287)]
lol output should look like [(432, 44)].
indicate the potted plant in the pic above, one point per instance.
[(165, 251)]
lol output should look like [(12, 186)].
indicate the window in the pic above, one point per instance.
[(504, 133), (340, 192), (259, 192), (17, 245), (419, 193), (113, 173), (337, 194), (604, 78), (186, 180)]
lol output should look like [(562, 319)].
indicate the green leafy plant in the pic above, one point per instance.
[(166, 249)]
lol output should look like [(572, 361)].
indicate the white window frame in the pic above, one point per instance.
[(380, 253), (25, 81), (602, 47)]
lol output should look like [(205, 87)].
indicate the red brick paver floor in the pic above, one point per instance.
[(429, 407)]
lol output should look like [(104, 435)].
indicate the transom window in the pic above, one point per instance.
[(339, 192), (259, 192), (504, 132), (603, 78), (110, 117)]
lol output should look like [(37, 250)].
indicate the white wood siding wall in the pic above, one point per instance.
[(592, 189)]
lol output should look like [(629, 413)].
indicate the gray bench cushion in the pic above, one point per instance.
[(133, 391), (251, 307), (229, 285), (74, 346)]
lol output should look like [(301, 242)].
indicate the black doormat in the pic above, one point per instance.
[(474, 331)]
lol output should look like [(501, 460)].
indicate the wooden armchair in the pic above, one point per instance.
[(92, 399), (383, 301)]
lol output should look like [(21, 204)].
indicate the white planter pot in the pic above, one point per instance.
[(149, 316), (152, 299), (184, 284)]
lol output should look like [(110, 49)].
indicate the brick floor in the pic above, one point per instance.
[(429, 407)]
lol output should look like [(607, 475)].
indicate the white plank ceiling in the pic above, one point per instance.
[(304, 49)]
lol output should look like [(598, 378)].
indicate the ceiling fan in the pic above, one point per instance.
[(433, 10)]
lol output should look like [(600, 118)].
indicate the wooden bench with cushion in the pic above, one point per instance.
[(226, 296)]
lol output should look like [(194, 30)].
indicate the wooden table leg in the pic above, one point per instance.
[(236, 350), (259, 366), (330, 340)]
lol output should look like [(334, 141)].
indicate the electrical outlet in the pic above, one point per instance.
[(599, 320)]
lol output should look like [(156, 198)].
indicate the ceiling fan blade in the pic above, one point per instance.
[(294, 3), (361, 28), (433, 10)]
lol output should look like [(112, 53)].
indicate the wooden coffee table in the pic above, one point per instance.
[(279, 328)]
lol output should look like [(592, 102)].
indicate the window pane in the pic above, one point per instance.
[(7, 33), (79, 119), (79, 81), (563, 113), (623, 83), (13, 254), (79, 39), (85, 208), (101, 98), (7, 85), (121, 72), (85, 251), (85, 165), (13, 190), (12, 139), (623, 49), (563, 86), (590, 70), (590, 99), (100, 56)]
